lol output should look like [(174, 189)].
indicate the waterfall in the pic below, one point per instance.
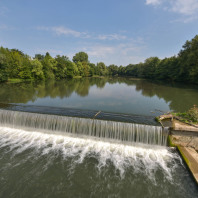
[(125, 132)]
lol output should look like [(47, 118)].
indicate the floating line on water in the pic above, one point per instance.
[(96, 114)]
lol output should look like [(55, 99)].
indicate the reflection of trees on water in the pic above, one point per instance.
[(180, 98), (17, 93), (30, 91)]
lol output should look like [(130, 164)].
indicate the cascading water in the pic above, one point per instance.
[(50, 162), (126, 132)]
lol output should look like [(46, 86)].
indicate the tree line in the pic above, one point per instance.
[(182, 67)]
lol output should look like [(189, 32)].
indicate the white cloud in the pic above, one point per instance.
[(99, 50), (66, 31), (187, 9), (111, 37), (153, 2), (61, 30), (123, 53)]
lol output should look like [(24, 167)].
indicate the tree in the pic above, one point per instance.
[(3, 73), (150, 66), (168, 69), (80, 68), (129, 70), (72, 69), (102, 69), (49, 66), (25, 68), (113, 70), (188, 59), (40, 57), (85, 69), (92, 69), (80, 57), (37, 71), (61, 71), (121, 71), (17, 64), (14, 62)]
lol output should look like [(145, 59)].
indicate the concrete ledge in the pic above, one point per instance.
[(184, 133), (190, 156), (180, 126)]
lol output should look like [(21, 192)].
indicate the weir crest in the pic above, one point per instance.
[(108, 130)]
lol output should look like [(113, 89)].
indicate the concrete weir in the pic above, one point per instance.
[(185, 138), (190, 156)]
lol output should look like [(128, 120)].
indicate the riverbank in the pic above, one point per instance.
[(18, 80)]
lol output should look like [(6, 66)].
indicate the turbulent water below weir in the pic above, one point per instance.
[(36, 164)]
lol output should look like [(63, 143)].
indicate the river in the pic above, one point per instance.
[(38, 160)]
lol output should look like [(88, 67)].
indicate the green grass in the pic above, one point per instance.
[(77, 77), (187, 117), (97, 76), (17, 80)]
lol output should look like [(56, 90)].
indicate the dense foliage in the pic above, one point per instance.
[(14, 64), (193, 114), (183, 67)]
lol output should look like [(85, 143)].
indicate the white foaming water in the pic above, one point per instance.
[(110, 130), (146, 160)]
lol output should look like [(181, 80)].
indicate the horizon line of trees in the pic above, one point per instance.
[(15, 64)]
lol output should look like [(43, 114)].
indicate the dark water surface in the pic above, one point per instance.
[(118, 95)]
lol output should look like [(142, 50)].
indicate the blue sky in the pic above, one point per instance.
[(113, 31)]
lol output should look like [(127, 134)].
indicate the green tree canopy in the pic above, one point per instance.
[(188, 59), (40, 57), (49, 66), (3, 73), (80, 57), (101, 67), (61, 68), (113, 70), (37, 69)]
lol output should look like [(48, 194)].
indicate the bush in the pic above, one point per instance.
[(193, 114)]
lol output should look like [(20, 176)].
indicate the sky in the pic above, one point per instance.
[(111, 31)]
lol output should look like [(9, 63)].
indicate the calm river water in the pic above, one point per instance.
[(118, 95), (42, 164)]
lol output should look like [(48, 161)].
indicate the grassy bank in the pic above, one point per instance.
[(17, 80)]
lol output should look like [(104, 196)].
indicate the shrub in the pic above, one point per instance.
[(193, 114)]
